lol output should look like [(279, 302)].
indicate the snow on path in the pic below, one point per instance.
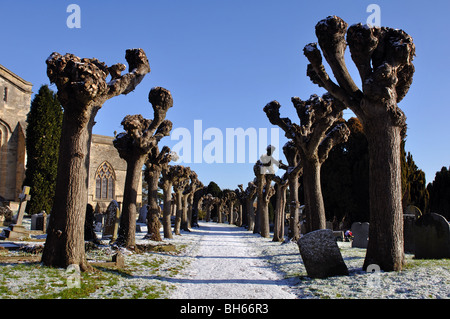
[(226, 266)]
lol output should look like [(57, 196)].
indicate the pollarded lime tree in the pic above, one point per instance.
[(82, 91), (156, 161), (383, 57), (314, 137), (141, 136)]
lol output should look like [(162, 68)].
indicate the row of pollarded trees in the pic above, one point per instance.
[(188, 190), (383, 57), (82, 90)]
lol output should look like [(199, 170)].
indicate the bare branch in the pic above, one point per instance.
[(339, 134), (331, 35)]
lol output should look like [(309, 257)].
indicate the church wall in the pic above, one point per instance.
[(15, 100), (102, 149)]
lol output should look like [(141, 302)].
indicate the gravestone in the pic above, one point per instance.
[(39, 221), (17, 230), (111, 221), (432, 237), (89, 221), (360, 233), (408, 233), (321, 255), (142, 215), (413, 210)]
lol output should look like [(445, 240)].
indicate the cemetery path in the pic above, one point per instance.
[(225, 266)]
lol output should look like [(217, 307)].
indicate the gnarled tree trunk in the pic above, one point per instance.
[(82, 90), (315, 208), (278, 227), (385, 248), (127, 229)]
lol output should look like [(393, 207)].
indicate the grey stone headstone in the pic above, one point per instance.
[(321, 255), (432, 237), (360, 233), (142, 214), (408, 233), (39, 221), (110, 219)]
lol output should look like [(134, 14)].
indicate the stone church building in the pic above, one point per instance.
[(107, 170)]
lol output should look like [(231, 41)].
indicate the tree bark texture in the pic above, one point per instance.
[(179, 216), (385, 247), (127, 228), (65, 238), (167, 210), (278, 229), (153, 224), (315, 208)]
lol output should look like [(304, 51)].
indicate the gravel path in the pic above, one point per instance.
[(226, 266)]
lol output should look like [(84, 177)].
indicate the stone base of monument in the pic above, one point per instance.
[(16, 232)]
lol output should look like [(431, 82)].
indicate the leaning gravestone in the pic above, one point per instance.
[(17, 230), (360, 233), (111, 221), (321, 255), (432, 237)]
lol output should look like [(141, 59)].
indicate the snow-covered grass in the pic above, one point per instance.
[(419, 279), (156, 274)]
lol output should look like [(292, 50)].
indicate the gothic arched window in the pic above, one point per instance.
[(105, 182)]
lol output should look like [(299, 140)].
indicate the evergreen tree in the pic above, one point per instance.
[(43, 134), (439, 191), (214, 189), (413, 182), (345, 178)]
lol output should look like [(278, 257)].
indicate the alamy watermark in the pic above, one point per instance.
[(235, 145), (374, 19), (74, 19), (73, 276)]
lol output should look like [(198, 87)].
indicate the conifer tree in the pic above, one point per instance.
[(43, 134)]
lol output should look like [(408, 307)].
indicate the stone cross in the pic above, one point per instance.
[(24, 198), (17, 231)]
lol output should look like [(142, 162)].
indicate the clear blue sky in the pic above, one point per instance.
[(224, 60)]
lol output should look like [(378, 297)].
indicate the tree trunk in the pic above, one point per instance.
[(231, 214), (219, 213), (250, 211), (184, 215), (179, 214), (239, 218), (294, 208), (278, 228), (189, 210), (167, 210), (313, 195), (385, 247), (127, 231), (64, 245), (264, 220), (153, 224)]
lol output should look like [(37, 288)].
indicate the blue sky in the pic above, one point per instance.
[(224, 60)]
